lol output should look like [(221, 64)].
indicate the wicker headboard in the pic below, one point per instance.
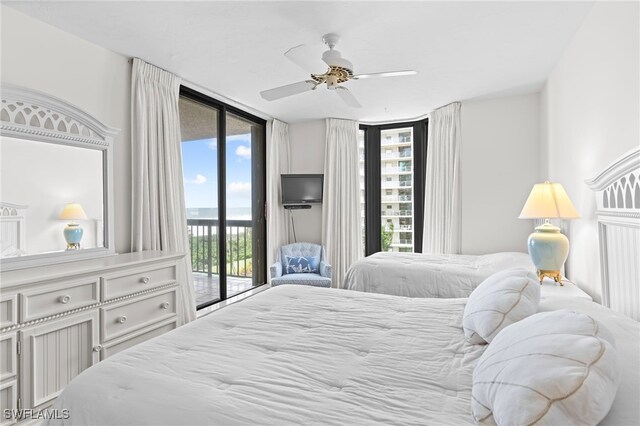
[(617, 190), (13, 231)]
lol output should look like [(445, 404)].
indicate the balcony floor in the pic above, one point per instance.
[(207, 288)]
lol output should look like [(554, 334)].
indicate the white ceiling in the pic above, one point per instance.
[(462, 50)]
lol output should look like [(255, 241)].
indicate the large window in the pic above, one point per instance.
[(223, 157), (392, 177)]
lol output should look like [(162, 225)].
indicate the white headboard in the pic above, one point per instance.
[(617, 190), (13, 229)]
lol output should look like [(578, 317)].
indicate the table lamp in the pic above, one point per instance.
[(73, 232), (548, 247)]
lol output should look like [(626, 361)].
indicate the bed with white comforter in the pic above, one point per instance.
[(428, 275), (302, 355)]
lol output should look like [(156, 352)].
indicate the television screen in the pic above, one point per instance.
[(301, 189)]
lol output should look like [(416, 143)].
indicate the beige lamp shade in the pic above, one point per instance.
[(548, 200), (73, 211)]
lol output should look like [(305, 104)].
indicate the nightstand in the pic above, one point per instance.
[(551, 289)]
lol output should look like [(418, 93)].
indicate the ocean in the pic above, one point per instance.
[(233, 213)]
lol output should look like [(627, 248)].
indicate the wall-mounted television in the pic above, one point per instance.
[(301, 189)]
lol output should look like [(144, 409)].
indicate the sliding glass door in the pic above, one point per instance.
[(245, 200), (224, 186)]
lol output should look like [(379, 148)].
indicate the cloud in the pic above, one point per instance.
[(240, 187), (199, 180), (213, 145), (244, 152)]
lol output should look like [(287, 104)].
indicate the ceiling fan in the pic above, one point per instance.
[(340, 70)]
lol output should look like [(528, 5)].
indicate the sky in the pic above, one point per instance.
[(200, 169)]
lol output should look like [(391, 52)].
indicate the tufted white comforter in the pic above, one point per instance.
[(291, 355), (303, 355), (428, 275)]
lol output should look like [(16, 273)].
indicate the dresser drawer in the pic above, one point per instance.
[(135, 338), (8, 311), (120, 285), (127, 317), (51, 300)]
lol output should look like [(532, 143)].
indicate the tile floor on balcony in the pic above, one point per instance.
[(207, 288)]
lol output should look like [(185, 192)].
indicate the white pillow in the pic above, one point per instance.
[(502, 299), (553, 368)]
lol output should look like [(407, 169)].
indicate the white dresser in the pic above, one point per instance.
[(56, 321)]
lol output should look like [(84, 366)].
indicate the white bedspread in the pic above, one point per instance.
[(428, 275), (302, 355), (291, 355)]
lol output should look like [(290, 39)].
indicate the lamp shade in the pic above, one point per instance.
[(548, 200), (73, 211)]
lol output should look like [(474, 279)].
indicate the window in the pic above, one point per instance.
[(393, 173)]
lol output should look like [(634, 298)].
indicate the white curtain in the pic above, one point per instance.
[(277, 163), (341, 221), (159, 220), (442, 186)]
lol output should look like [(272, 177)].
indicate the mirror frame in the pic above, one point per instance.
[(45, 118)]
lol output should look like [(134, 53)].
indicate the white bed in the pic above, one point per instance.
[(428, 275), (302, 355)]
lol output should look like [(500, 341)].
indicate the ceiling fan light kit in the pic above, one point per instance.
[(340, 70)]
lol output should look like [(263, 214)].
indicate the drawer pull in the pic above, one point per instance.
[(97, 348), (145, 280), (122, 319), (164, 305), (64, 299)]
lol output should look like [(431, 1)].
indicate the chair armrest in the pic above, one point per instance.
[(276, 270), (325, 269)]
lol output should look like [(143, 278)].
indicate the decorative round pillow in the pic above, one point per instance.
[(552, 368), (502, 299)]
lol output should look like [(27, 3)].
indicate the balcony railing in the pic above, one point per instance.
[(395, 141), (396, 184), (396, 198), (401, 154), (395, 170), (204, 235), (396, 213), (403, 241)]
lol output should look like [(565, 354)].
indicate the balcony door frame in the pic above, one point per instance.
[(372, 178), (259, 265)]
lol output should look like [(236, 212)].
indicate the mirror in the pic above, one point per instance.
[(55, 180)]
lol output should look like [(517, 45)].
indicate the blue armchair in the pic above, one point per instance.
[(279, 273)]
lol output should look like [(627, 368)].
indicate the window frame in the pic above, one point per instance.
[(372, 179)]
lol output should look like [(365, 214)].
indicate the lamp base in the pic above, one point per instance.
[(73, 235), (548, 249), (555, 275)]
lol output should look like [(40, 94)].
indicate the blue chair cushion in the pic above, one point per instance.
[(301, 264), (302, 279)]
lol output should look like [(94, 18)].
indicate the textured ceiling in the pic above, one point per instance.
[(462, 50)]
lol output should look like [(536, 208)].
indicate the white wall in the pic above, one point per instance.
[(308, 141), (42, 57), (499, 166), (590, 110), (25, 165)]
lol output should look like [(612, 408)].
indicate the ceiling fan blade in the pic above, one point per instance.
[(288, 90), (347, 97), (306, 57), (385, 74)]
